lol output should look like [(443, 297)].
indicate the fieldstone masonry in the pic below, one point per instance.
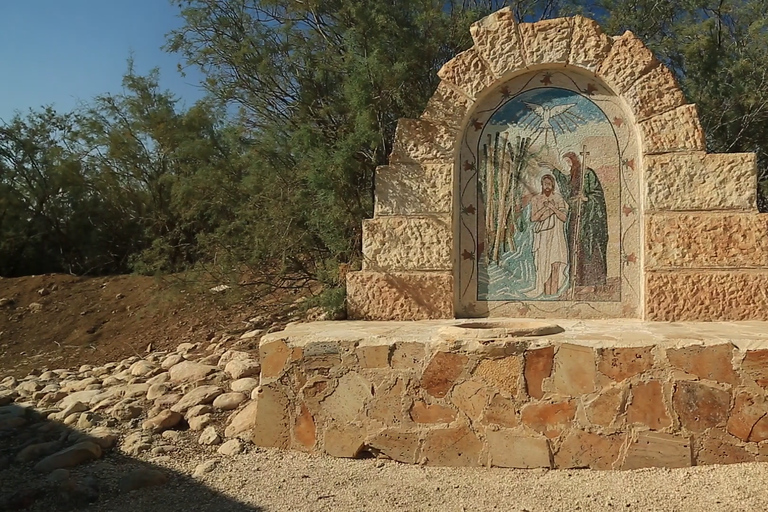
[(701, 254)]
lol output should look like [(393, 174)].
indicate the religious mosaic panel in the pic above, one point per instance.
[(548, 195)]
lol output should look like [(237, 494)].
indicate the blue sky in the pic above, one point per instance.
[(63, 52)]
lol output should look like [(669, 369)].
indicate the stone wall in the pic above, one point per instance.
[(562, 401)]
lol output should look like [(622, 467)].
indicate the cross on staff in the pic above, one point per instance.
[(577, 230)]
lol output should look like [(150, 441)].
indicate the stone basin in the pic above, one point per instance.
[(499, 329)]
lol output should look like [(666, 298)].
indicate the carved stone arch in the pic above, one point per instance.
[(688, 201)]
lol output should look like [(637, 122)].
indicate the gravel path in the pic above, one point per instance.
[(275, 481)]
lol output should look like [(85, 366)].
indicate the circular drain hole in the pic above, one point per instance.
[(488, 329)]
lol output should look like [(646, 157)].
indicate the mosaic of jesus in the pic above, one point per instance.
[(548, 159)]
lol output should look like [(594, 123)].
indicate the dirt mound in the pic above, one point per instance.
[(62, 321)]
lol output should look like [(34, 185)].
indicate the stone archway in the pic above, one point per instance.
[(678, 261)]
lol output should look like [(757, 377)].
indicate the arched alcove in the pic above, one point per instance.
[(678, 217)]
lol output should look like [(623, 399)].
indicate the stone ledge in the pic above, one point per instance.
[(405, 243), (468, 72), (589, 45), (447, 106), (628, 60), (701, 181), (676, 130), (418, 141), (497, 41), (413, 189), (706, 240), (706, 296), (399, 296), (547, 41), (654, 93)]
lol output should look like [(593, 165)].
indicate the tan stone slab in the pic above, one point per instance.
[(749, 418), (271, 426), (408, 243), (509, 449), (701, 181), (646, 406), (441, 373), (414, 189), (574, 373), (418, 141), (547, 41), (399, 296), (447, 106), (606, 407), (706, 240), (501, 411), (589, 45), (548, 418), (588, 450), (620, 364), (654, 93), (706, 296), (497, 40), (502, 374), (657, 450), (700, 406), (676, 130), (344, 440), (451, 447), (755, 365), (468, 73), (538, 366), (348, 399), (712, 362), (628, 60), (717, 447), (399, 445)]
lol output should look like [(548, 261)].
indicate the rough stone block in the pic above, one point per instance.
[(348, 399), (538, 366), (496, 39), (604, 409), (755, 365), (546, 41), (509, 449), (407, 243), (700, 406), (587, 450), (471, 398), (418, 141), (441, 373), (706, 296), (589, 45), (373, 356), (706, 240), (749, 418), (654, 449), (273, 356), (574, 373), (451, 447), (344, 440), (422, 412), (413, 189), (468, 72), (271, 427), (304, 430), (620, 364), (701, 181), (501, 411), (712, 362), (717, 447), (628, 60), (398, 445), (654, 93), (548, 418), (399, 296), (387, 404), (502, 374), (647, 405), (447, 106), (676, 130), (407, 356)]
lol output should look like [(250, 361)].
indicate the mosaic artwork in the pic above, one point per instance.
[(544, 173)]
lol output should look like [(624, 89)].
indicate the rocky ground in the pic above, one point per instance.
[(167, 429)]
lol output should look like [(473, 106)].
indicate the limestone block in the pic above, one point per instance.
[(587, 450), (441, 373), (501, 411), (706, 240), (604, 409), (628, 60), (701, 181), (755, 364), (399, 296), (749, 418), (538, 366), (654, 93), (496, 39), (454, 447), (304, 430), (273, 356), (271, 427), (471, 398), (706, 296), (620, 364), (447, 106), (509, 449), (342, 440), (654, 449), (574, 373), (502, 374), (547, 41), (399, 445), (348, 399), (700, 406), (720, 448), (413, 189), (676, 130), (387, 405), (647, 406), (407, 356), (418, 141), (373, 356), (548, 418), (589, 45), (711, 362), (468, 72), (408, 243), (422, 412)]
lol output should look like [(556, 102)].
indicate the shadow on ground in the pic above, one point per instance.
[(48, 466)]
